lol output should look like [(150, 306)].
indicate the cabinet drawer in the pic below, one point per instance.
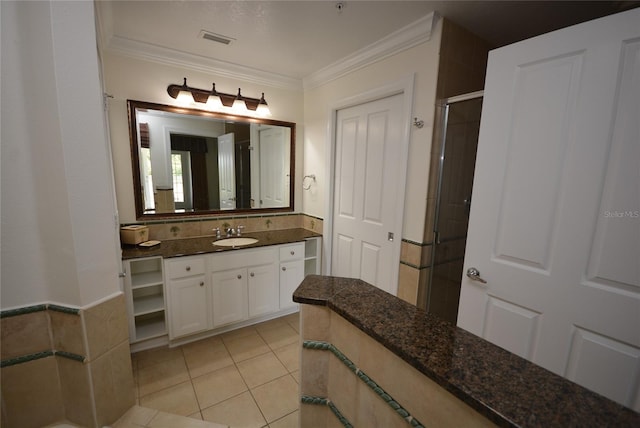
[(292, 252), (242, 258), (184, 267)]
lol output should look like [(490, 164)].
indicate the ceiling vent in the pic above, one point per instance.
[(207, 35)]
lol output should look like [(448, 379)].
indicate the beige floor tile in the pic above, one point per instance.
[(205, 356), (136, 416), (277, 398), (154, 356), (238, 412), (289, 421), (162, 375), (217, 386), (197, 415), (279, 335), (289, 356), (179, 400), (246, 346), (122, 424), (261, 369), (294, 321), (276, 322), (166, 420), (244, 331)]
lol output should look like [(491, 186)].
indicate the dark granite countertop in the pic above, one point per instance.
[(507, 389), (204, 244)]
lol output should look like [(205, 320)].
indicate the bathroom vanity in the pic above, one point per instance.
[(187, 289)]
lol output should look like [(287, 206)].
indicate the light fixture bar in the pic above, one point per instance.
[(202, 96)]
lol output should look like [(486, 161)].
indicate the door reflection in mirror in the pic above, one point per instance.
[(193, 163)]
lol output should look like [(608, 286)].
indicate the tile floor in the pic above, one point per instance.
[(244, 378)]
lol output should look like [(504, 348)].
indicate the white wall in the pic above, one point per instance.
[(131, 78), (422, 61), (58, 214)]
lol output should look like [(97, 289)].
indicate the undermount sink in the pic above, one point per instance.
[(235, 242)]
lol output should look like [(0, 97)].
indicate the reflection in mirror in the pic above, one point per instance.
[(193, 162)]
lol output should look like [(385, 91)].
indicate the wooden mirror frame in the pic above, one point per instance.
[(133, 105)]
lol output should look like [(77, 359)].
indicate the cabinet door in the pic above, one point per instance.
[(263, 289), (188, 306), (291, 275), (229, 294)]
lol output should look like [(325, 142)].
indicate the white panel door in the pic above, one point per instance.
[(368, 177), (227, 171), (555, 220)]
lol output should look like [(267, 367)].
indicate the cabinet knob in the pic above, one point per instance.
[(293, 253), (252, 274), (188, 268), (284, 268), (201, 283), (239, 276)]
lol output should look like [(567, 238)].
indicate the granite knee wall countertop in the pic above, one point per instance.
[(204, 244), (507, 389)]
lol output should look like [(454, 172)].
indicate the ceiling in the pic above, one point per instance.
[(297, 38)]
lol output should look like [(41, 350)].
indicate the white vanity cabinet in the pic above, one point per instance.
[(312, 256), (291, 272), (229, 296), (180, 299), (144, 291), (244, 284), (263, 289), (187, 295)]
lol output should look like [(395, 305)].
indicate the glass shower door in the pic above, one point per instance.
[(457, 163)]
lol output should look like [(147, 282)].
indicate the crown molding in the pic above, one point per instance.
[(172, 57), (407, 37)]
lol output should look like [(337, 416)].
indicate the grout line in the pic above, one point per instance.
[(235, 364)]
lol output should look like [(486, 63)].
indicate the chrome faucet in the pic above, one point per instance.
[(217, 231), (230, 231)]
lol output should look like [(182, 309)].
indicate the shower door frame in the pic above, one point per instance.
[(444, 121)]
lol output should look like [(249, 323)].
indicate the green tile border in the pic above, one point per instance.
[(63, 309), (22, 311), (325, 346), (70, 356), (38, 355), (43, 354), (419, 244), (26, 358), (39, 308), (306, 399), (411, 265)]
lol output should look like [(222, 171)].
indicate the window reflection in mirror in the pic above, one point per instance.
[(192, 162)]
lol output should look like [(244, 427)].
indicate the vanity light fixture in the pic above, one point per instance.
[(214, 100), (184, 97), (263, 108), (239, 105)]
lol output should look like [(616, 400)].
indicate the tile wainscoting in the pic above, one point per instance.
[(61, 363), (415, 268)]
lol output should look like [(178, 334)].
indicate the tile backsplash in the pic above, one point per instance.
[(182, 228)]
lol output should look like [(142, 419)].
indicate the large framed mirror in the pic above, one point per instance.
[(189, 162)]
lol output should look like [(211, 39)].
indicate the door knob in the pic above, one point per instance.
[(474, 274)]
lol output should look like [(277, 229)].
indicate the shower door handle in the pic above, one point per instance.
[(474, 274)]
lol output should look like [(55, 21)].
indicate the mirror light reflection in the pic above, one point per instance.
[(193, 162)]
